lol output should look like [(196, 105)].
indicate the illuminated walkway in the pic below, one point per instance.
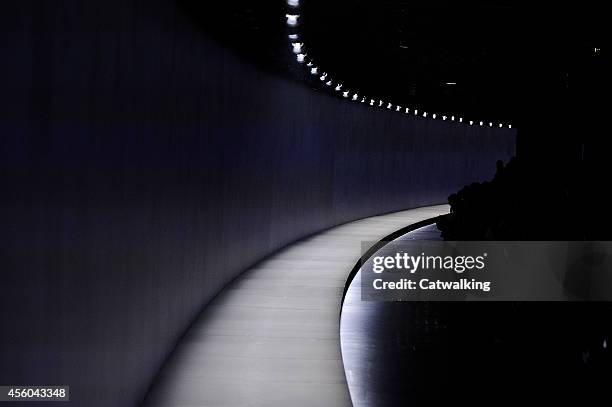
[(271, 338)]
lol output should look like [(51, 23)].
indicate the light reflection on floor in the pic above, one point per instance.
[(468, 353)]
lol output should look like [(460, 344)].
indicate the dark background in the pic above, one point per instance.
[(143, 166)]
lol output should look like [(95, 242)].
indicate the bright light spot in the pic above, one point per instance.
[(355, 96), (471, 122), (490, 124), (371, 102), (416, 111), (328, 83), (314, 70), (293, 3), (451, 83), (292, 19), (509, 126), (323, 76), (407, 110), (397, 109), (338, 87), (389, 106), (453, 118), (424, 114), (433, 116), (461, 120), (300, 57), (293, 36), (443, 117), (380, 103), (297, 47), (481, 123), (345, 93), (501, 125)]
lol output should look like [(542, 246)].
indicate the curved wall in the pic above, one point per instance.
[(143, 167)]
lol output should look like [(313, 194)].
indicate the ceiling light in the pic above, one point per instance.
[(297, 47), (292, 19)]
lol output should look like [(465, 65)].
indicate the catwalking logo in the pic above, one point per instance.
[(412, 264)]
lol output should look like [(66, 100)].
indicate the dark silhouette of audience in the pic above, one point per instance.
[(521, 202)]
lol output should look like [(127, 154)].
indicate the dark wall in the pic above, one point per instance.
[(143, 167)]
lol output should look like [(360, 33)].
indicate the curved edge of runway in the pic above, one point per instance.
[(272, 337)]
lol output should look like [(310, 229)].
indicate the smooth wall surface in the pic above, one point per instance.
[(142, 167)]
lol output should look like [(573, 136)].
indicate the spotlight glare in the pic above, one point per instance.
[(297, 47), (292, 19), (293, 3), (293, 36)]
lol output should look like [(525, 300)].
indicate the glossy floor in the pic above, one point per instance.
[(271, 338), (458, 353)]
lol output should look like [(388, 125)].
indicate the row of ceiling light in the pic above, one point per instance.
[(293, 20)]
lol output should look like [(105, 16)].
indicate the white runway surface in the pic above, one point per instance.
[(272, 338)]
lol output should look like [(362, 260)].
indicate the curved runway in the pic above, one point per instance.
[(272, 337)]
